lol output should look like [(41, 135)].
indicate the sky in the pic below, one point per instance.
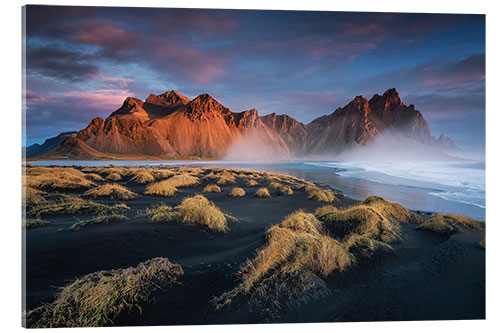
[(82, 62)]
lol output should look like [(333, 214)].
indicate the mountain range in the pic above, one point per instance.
[(170, 125)]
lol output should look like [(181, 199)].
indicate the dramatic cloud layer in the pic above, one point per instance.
[(81, 62)]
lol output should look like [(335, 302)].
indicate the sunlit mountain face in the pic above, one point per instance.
[(82, 62)]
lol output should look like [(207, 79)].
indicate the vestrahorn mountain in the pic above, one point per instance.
[(171, 125)]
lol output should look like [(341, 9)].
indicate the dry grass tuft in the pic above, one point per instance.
[(483, 243), (114, 176), (237, 192), (197, 209), (183, 180), (295, 254), (320, 195), (34, 197), (97, 299), (94, 177), (320, 211), (394, 212), (111, 191), (226, 178), (251, 183), (450, 223), (34, 223), (163, 213), (212, 188), (71, 204), (163, 188), (274, 185), (262, 192), (286, 190), (201, 211), (100, 219), (56, 179), (162, 173), (360, 220), (143, 177)]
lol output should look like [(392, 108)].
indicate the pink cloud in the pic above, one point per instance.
[(198, 65), (105, 34), (103, 99), (115, 82)]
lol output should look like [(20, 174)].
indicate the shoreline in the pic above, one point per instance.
[(413, 197)]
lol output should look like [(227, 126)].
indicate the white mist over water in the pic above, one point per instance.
[(459, 181)]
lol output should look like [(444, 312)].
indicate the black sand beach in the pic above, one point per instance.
[(423, 276)]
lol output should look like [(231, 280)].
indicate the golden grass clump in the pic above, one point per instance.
[(71, 204), (251, 183), (114, 176), (97, 299), (262, 192), (111, 191), (162, 173), (199, 210), (56, 179), (34, 197), (482, 243), (100, 219), (163, 213), (212, 188), (183, 180), (360, 220), (320, 211), (34, 223), (446, 224), (394, 212), (286, 190), (274, 185), (297, 251), (164, 188), (320, 195), (143, 177), (226, 178), (95, 177), (237, 192)]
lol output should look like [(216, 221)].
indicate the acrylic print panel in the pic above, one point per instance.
[(197, 166)]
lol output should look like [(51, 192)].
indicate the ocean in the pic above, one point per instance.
[(447, 187)]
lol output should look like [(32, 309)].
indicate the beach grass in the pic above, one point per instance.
[(163, 188), (56, 179), (295, 253), (361, 220), (95, 177), (143, 177), (111, 191), (114, 176), (97, 299), (100, 219), (203, 212), (35, 223), (446, 224), (196, 209), (213, 188), (285, 190), (237, 192), (320, 211), (71, 204), (251, 183), (262, 192)]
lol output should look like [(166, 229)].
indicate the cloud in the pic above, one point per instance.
[(55, 62), (105, 34)]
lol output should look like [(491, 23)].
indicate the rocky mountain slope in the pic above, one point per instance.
[(171, 125)]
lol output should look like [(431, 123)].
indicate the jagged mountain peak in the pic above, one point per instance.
[(169, 98)]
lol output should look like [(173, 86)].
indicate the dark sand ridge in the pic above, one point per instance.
[(426, 277)]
